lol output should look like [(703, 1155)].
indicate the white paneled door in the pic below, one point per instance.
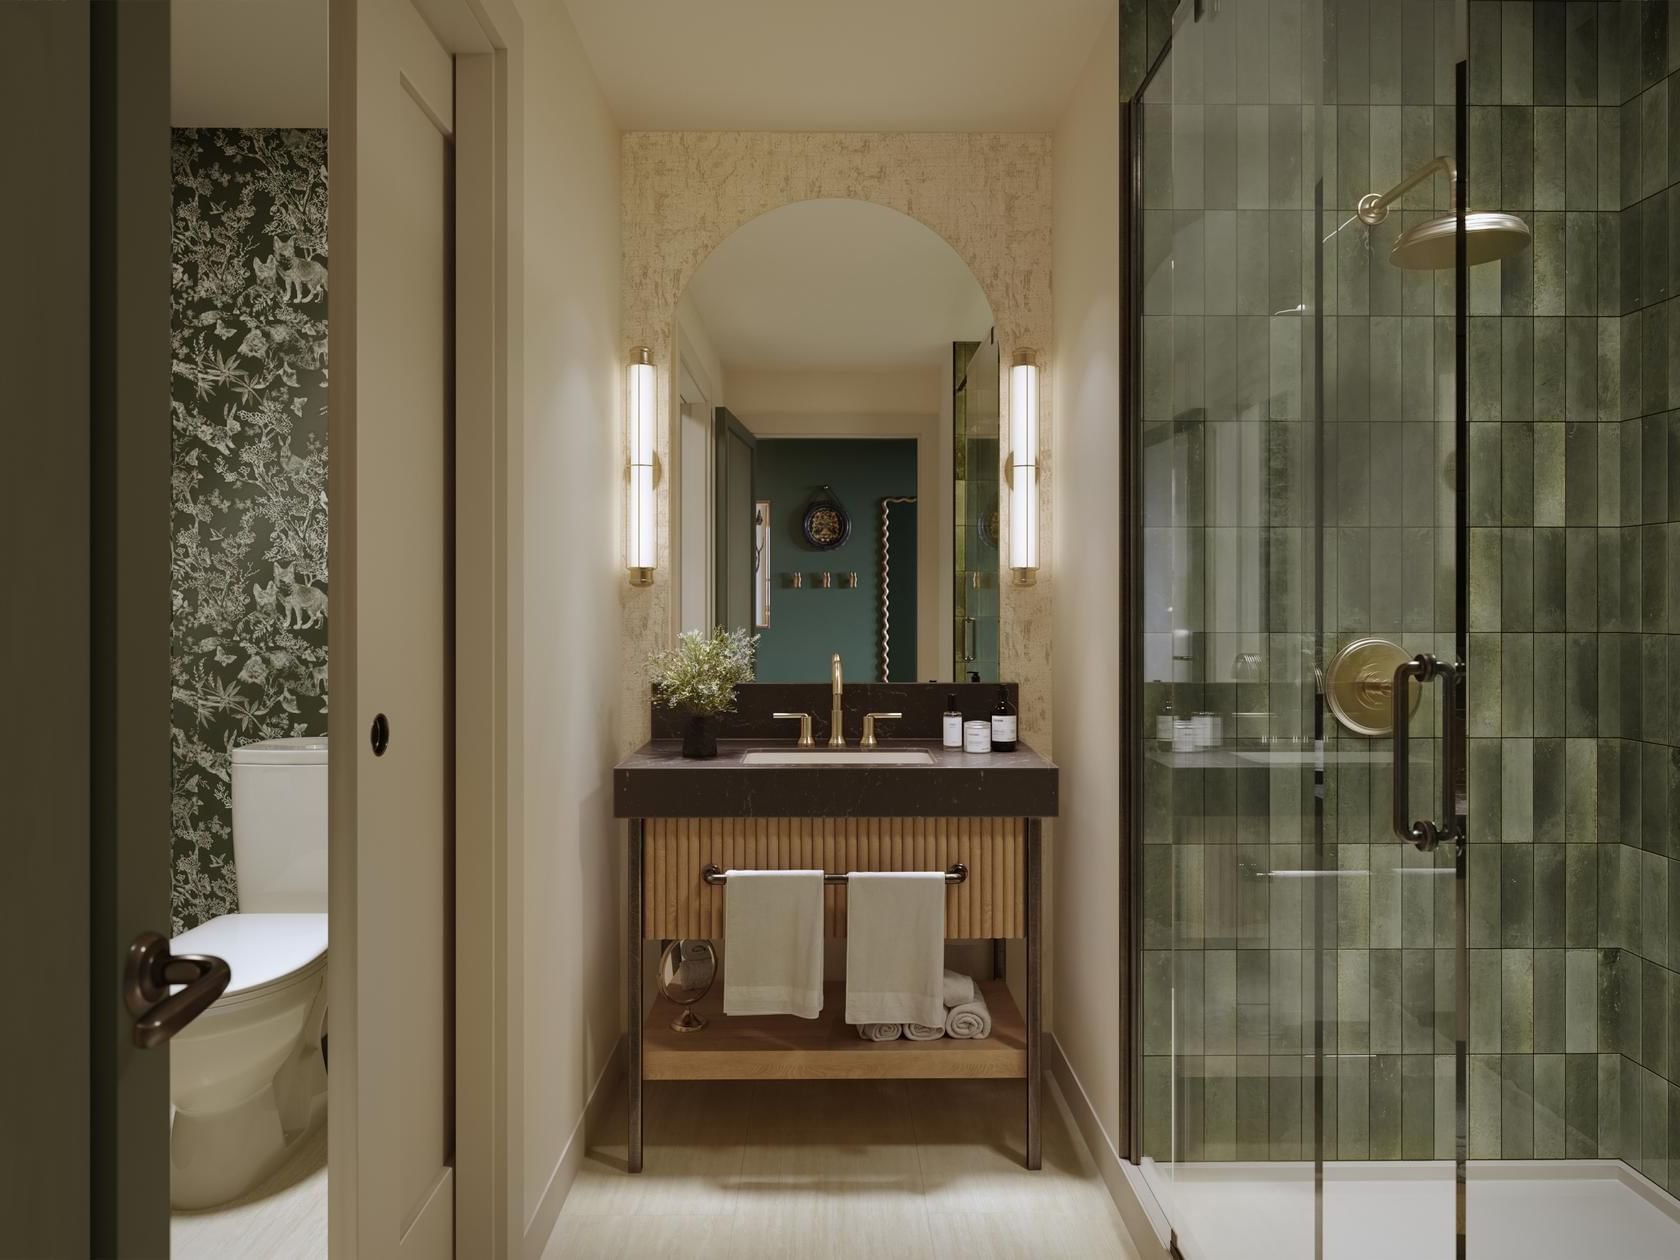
[(392, 1152)]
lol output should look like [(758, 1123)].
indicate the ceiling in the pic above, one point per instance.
[(838, 65), (826, 285), (248, 63)]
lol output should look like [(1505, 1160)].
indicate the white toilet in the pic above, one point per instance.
[(247, 1078)]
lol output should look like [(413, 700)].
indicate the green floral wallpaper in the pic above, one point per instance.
[(249, 483)]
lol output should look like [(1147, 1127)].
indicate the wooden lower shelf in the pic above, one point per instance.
[(783, 1047)]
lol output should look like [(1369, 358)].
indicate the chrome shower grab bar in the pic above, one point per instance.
[(956, 873), (1425, 833)]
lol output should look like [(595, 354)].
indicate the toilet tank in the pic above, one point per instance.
[(280, 825)]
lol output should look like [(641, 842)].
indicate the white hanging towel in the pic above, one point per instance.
[(895, 947), (773, 922)]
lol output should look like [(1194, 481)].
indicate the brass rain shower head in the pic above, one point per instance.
[(1489, 234)]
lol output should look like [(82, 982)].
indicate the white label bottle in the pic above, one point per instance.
[(953, 729)]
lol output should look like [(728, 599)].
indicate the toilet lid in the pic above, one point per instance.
[(260, 949)]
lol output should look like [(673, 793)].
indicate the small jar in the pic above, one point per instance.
[(1184, 735), (977, 737), (1164, 725)]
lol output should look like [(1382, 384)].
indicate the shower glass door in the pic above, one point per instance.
[(1296, 437)]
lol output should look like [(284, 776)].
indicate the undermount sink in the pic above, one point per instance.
[(838, 757)]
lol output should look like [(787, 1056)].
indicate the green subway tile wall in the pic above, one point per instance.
[(1260, 521), (1574, 650)]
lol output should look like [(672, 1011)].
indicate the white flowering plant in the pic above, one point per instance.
[(699, 675)]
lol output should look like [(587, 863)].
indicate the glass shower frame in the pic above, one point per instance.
[(1286, 744)]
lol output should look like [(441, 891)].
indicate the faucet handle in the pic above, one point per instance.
[(805, 740), (869, 740)]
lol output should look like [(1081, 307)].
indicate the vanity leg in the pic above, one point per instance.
[(633, 1039), (1000, 958), (1035, 991)]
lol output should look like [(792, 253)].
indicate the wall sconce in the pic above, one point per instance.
[(1022, 468), (641, 411)]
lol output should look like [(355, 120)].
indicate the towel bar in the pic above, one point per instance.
[(956, 873)]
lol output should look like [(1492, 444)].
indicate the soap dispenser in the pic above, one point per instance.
[(953, 729)]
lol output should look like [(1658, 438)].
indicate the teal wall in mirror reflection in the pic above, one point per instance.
[(809, 624)]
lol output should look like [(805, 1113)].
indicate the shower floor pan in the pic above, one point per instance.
[(1519, 1210)]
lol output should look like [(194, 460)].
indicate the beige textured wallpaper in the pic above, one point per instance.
[(988, 195)]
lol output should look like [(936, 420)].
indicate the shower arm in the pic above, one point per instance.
[(1373, 209)]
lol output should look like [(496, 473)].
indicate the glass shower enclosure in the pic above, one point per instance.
[(1405, 820)]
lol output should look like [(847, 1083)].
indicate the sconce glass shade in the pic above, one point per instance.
[(1023, 467), (640, 545)]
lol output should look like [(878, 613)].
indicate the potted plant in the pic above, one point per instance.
[(698, 677)]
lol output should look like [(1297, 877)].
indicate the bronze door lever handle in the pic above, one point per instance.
[(151, 971)]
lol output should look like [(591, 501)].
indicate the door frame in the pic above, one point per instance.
[(486, 39), (46, 1164), (85, 1162), (725, 427)]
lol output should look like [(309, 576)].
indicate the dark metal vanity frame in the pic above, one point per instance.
[(1033, 908)]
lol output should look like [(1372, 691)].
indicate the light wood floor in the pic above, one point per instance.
[(805, 1170), (283, 1218)]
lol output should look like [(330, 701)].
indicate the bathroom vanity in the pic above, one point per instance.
[(907, 805)]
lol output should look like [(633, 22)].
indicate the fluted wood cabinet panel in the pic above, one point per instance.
[(679, 903)]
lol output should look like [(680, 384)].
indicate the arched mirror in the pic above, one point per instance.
[(836, 448)]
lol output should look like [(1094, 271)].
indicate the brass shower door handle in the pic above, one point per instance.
[(151, 970), (1425, 834)]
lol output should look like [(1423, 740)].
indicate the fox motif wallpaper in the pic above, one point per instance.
[(249, 481)]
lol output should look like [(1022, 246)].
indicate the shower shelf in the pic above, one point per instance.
[(1260, 759)]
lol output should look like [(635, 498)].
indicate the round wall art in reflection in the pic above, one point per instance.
[(826, 524), (989, 525)]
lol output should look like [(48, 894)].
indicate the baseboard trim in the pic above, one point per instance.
[(542, 1222), (1148, 1228)]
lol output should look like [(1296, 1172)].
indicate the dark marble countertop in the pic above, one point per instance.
[(657, 781)]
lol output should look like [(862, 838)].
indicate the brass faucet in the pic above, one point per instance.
[(869, 720), (804, 720), (837, 718)]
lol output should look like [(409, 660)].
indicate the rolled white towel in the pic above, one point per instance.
[(970, 1022), (959, 989), (924, 1032), (880, 1032)]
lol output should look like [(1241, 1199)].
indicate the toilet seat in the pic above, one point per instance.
[(267, 953)]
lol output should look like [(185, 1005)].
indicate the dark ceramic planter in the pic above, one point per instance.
[(700, 736)]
